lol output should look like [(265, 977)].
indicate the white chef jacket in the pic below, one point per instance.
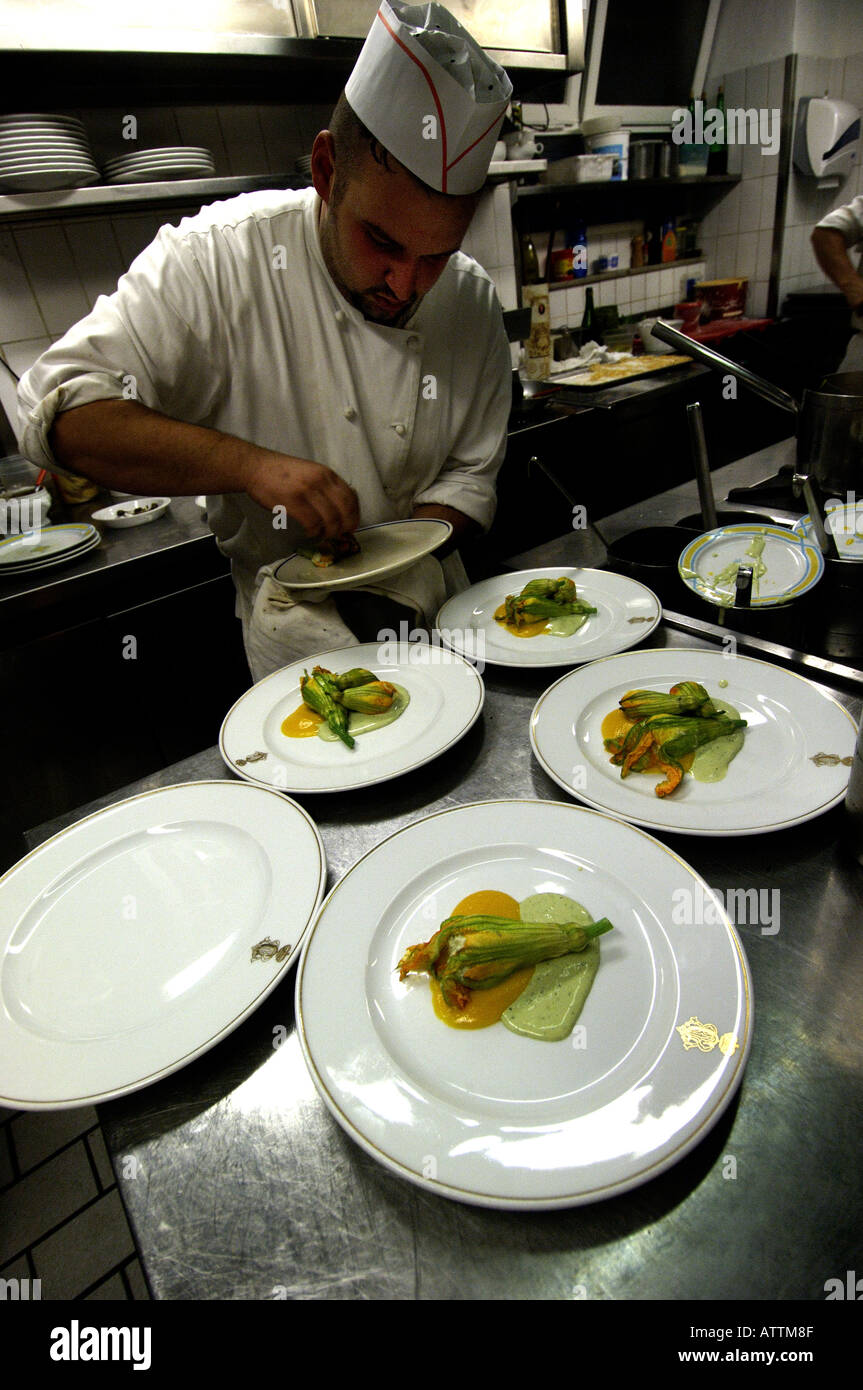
[(849, 221), (232, 321)]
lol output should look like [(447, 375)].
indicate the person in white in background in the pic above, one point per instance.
[(835, 235), (312, 361)]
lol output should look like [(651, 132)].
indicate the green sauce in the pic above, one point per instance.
[(367, 723), (728, 576), (548, 1007), (710, 763), (565, 625)]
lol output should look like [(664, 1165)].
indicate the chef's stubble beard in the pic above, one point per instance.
[(334, 261)]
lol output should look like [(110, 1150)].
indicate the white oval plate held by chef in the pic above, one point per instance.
[(384, 550)]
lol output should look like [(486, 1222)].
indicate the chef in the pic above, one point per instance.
[(312, 361), (835, 235)]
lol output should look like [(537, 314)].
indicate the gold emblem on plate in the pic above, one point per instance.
[(705, 1036)]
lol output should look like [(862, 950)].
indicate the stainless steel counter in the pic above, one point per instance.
[(240, 1186)]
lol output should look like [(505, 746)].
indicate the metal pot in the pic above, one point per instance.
[(829, 421)]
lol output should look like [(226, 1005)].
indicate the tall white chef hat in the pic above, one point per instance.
[(427, 91)]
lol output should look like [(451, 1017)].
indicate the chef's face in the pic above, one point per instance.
[(384, 239)]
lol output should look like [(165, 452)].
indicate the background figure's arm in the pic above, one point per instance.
[(831, 253), (127, 446)]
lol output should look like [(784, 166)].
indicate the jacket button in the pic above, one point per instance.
[(400, 430), (350, 413), (340, 316)]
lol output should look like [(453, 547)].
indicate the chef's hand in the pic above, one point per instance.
[(315, 496)]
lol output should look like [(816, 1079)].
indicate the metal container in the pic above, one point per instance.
[(829, 421), (642, 158)]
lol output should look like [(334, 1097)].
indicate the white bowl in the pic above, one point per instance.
[(656, 345), (130, 513)]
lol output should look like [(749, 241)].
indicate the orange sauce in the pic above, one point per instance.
[(526, 630), (303, 723), (486, 1005)]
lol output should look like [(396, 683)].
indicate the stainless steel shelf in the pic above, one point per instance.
[(120, 197)]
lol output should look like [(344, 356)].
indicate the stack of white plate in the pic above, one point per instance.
[(170, 162), (40, 550), (41, 152)]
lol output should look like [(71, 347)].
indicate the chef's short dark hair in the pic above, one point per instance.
[(351, 140)]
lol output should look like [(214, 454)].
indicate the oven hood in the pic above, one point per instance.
[(544, 36)]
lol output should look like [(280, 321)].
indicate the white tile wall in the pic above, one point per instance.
[(52, 273), (727, 231), (489, 241), (807, 204), (643, 292), (737, 234)]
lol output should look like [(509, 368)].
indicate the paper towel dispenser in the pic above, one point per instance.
[(826, 138)]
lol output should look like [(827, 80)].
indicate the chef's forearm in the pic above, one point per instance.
[(127, 446), (463, 527), (832, 255)]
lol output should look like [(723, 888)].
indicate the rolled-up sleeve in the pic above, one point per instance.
[(467, 479), (152, 341), (848, 220)]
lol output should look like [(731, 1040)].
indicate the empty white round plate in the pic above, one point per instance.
[(492, 1118), (794, 763), (140, 936), (626, 613), (446, 697)]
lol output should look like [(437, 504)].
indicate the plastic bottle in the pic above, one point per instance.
[(669, 242)]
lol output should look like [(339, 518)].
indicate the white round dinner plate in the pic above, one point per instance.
[(15, 118), (707, 564), (626, 613), (492, 1118), (446, 697), (158, 172), (45, 144), (35, 163), (47, 543), (68, 557), (126, 166), (793, 766), (845, 521), (44, 180), (162, 152), (386, 549), (27, 127), (140, 936)]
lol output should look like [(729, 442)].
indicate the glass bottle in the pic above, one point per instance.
[(590, 331), (717, 161), (529, 261)]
